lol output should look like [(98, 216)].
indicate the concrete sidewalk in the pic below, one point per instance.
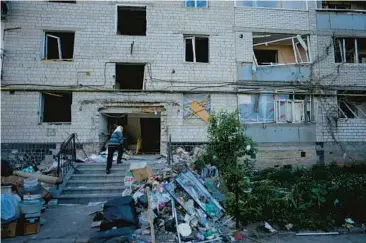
[(71, 224), (65, 223)]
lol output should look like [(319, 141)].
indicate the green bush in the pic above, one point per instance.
[(317, 198)]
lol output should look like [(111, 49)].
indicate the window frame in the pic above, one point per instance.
[(195, 4), (341, 44), (265, 120), (293, 111), (291, 9), (129, 5), (41, 109), (296, 41), (44, 52), (193, 38)]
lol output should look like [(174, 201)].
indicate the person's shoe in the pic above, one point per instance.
[(108, 171)]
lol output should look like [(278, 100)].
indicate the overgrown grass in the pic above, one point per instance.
[(317, 198)]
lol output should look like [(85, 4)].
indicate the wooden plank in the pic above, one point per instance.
[(150, 215), (199, 111)]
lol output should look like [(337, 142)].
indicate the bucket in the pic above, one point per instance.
[(31, 206), (31, 182)]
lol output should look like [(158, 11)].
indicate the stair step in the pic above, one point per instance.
[(77, 188), (109, 182), (99, 172), (86, 198), (77, 196), (97, 176), (93, 190)]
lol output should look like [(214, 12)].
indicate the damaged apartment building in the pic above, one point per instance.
[(295, 70)]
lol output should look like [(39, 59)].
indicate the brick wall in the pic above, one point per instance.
[(98, 47), (96, 42)]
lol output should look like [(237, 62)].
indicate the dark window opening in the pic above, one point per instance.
[(352, 106), (361, 5), (189, 50), (361, 46), (59, 45), (197, 49), (129, 76), (350, 50), (303, 154), (131, 20), (56, 1), (56, 107), (266, 57)]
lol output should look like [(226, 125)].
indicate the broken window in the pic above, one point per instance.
[(195, 3), (59, 45), (196, 49), (56, 107), (281, 108), (275, 48), (285, 4), (349, 50), (266, 57), (290, 108), (352, 106), (131, 20), (129, 76), (361, 5), (258, 108)]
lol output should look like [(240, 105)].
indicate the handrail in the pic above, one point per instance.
[(66, 157)]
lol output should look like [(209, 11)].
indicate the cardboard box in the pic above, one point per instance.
[(141, 171), (30, 226), (8, 230)]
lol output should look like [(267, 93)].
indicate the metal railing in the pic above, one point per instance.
[(66, 157)]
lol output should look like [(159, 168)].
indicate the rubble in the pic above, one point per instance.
[(175, 200), (23, 198)]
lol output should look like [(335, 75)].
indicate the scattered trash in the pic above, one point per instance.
[(184, 229), (28, 169), (289, 226), (269, 227), (140, 171), (9, 208), (349, 221)]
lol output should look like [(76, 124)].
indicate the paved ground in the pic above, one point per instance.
[(64, 224), (356, 238), (71, 224)]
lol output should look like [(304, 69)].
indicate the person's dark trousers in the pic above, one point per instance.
[(111, 150)]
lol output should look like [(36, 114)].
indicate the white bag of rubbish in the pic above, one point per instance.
[(96, 159), (9, 207)]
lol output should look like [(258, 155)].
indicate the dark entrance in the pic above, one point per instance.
[(150, 133)]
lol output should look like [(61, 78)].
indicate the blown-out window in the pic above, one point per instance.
[(196, 49)]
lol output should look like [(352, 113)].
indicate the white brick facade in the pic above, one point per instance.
[(97, 48)]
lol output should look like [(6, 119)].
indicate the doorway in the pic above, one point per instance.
[(150, 133)]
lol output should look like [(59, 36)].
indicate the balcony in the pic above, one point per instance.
[(332, 19), (272, 73), (278, 57)]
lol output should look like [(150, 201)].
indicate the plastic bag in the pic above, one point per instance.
[(9, 207), (29, 169)]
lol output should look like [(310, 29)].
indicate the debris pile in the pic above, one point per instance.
[(180, 155), (24, 195), (170, 202)]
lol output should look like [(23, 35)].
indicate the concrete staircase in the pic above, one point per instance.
[(92, 184)]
